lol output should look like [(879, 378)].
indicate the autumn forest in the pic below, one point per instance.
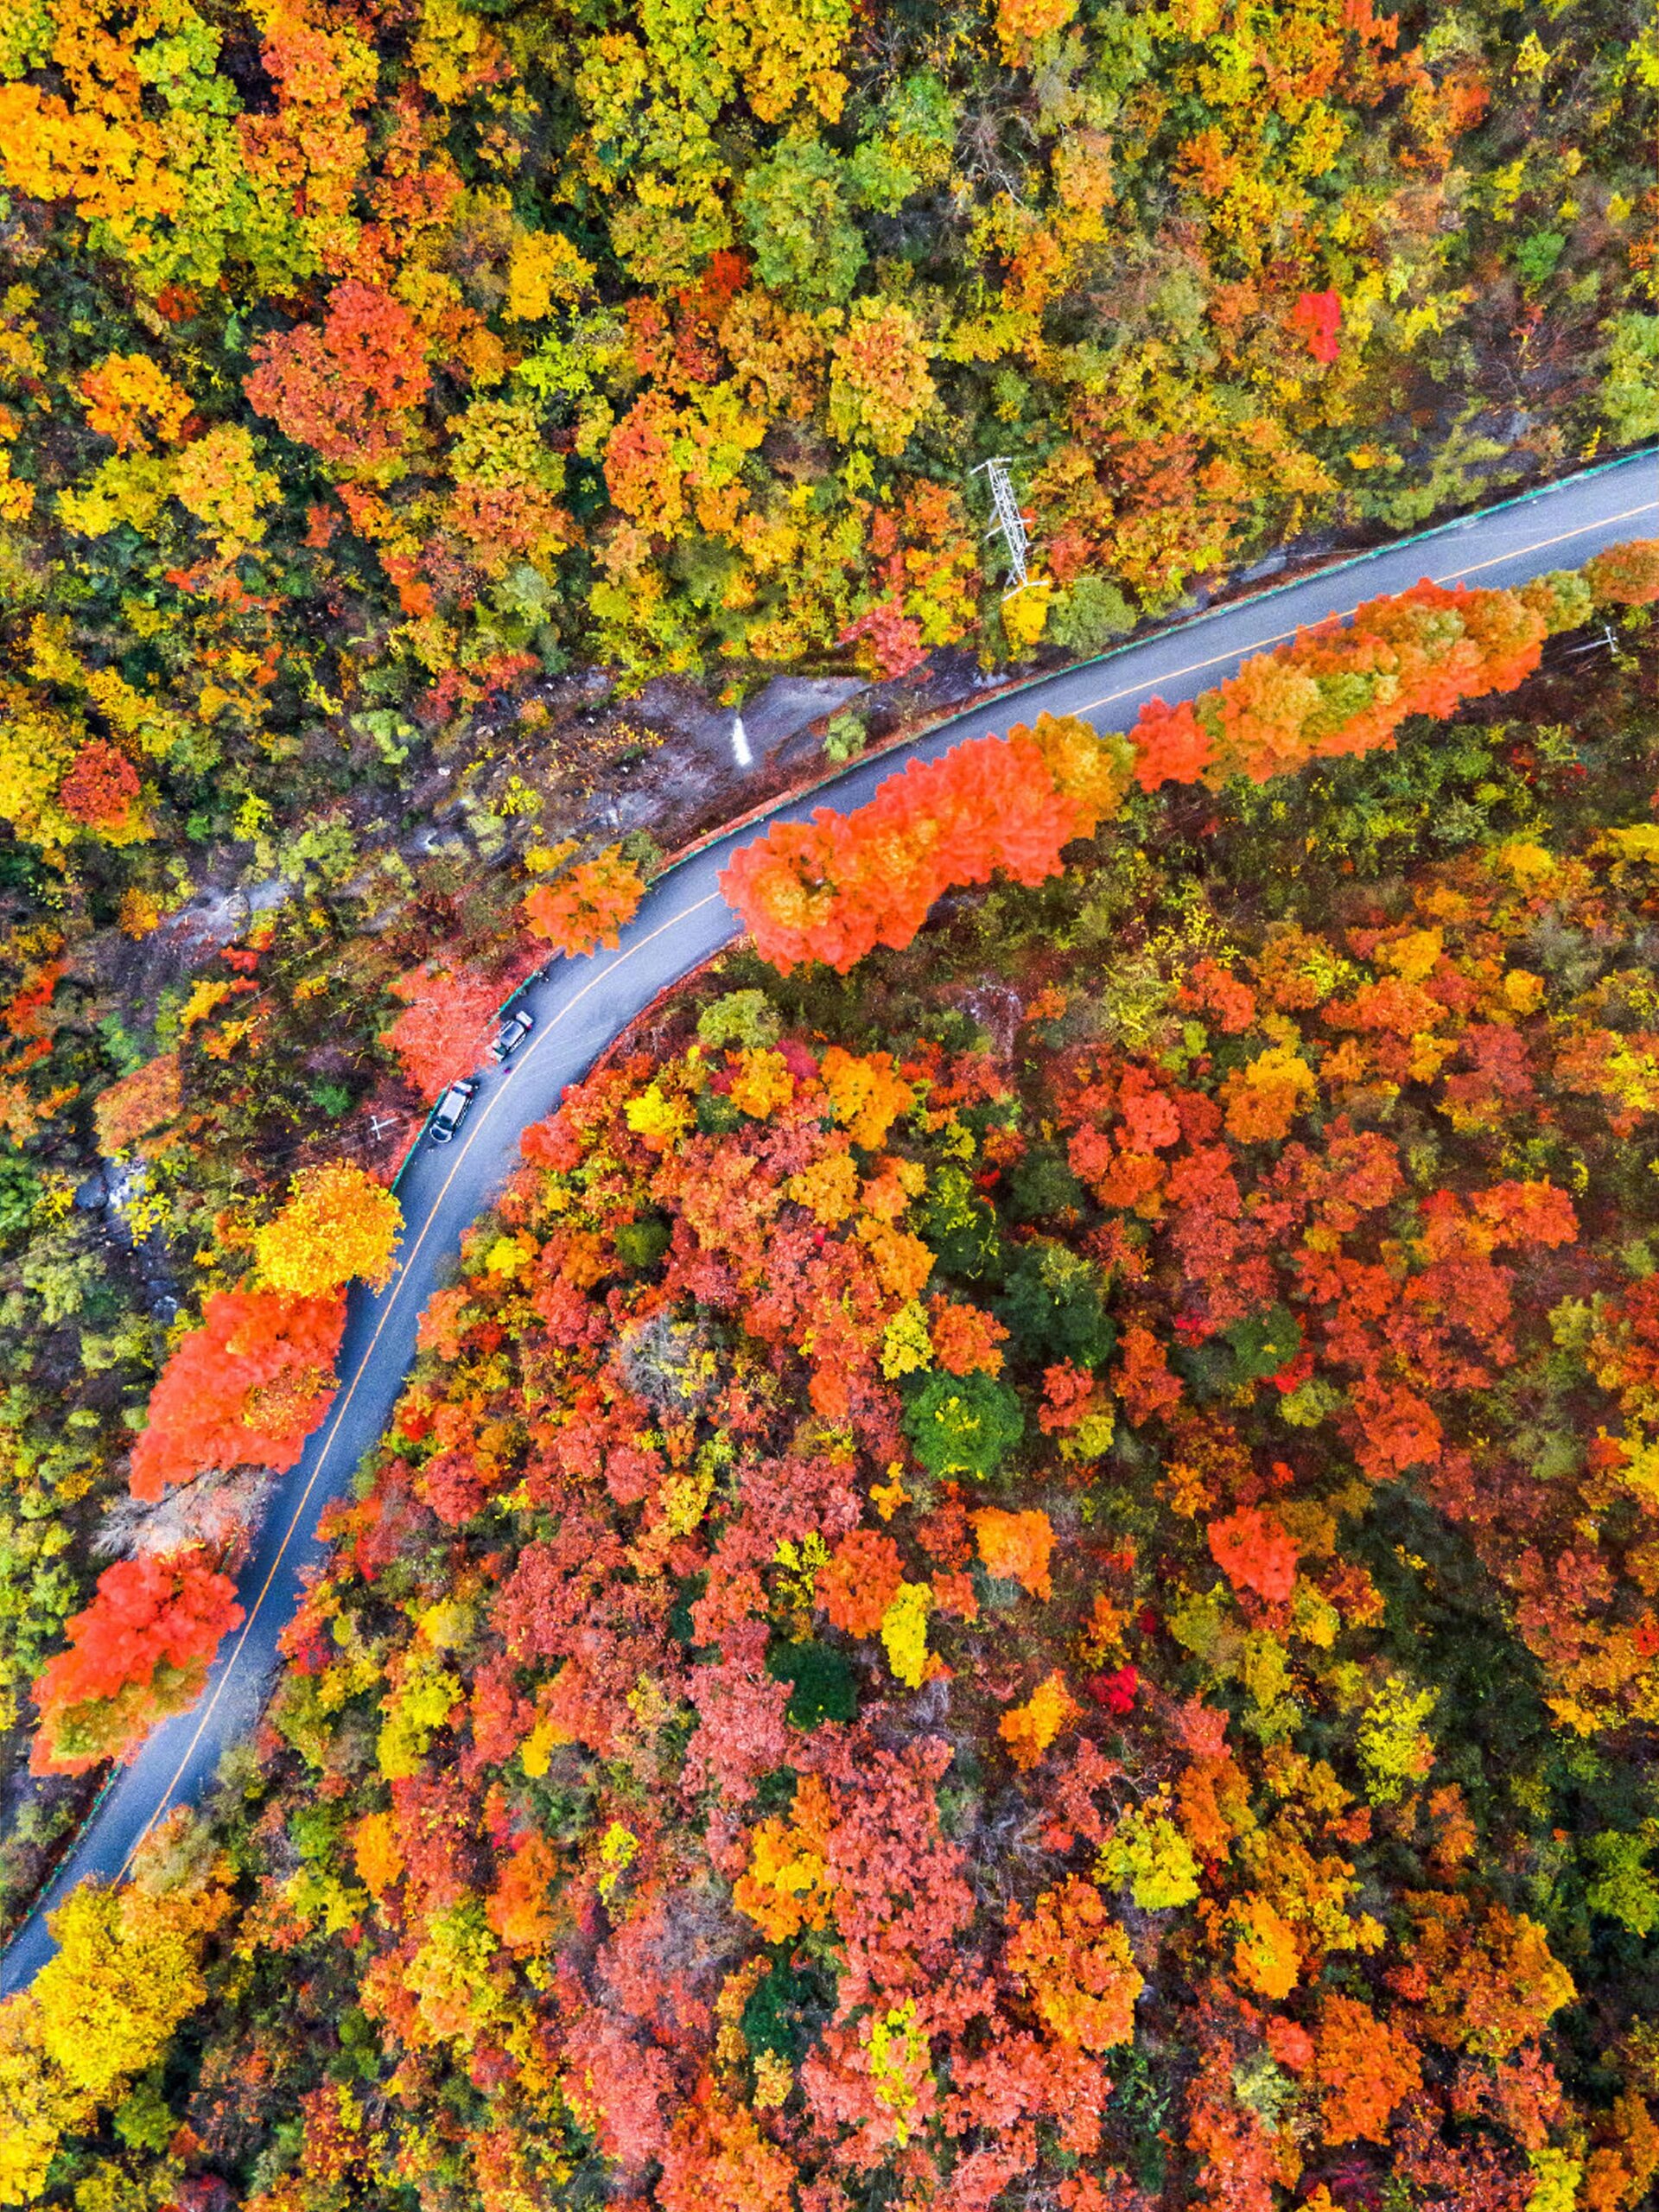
[(1019, 1570)]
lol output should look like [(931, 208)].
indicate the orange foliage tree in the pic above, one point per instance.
[(140, 1104), (138, 1651), (1625, 575), (345, 387), (1077, 1962), (861, 1582), (1016, 1545), (246, 1388), (589, 906), (1254, 1553), (1348, 689), (1366, 2068), (833, 888)]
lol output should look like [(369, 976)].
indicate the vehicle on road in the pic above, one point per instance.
[(512, 1034), (451, 1110)]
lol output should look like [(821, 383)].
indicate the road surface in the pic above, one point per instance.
[(581, 1005)]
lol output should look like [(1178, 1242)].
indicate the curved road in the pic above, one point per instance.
[(581, 1005)]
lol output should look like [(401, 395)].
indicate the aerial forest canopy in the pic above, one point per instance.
[(371, 358), (1025, 1571), (1020, 1570)]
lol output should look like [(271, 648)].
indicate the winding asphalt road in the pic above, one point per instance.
[(581, 1005)]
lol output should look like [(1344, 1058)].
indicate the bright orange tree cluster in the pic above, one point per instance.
[(248, 1386), (244, 1390), (1346, 689), (1064, 1610), (587, 906), (833, 888)]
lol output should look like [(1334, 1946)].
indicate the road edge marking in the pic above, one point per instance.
[(1345, 614)]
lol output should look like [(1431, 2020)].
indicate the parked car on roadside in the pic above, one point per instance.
[(512, 1034), (451, 1110)]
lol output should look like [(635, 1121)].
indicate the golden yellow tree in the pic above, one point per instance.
[(127, 1970), (337, 1223)]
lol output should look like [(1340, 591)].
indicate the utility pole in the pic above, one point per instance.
[(1007, 519), (1606, 643)]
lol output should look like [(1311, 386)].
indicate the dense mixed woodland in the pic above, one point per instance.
[(1021, 1565), (391, 392), (1121, 1670)]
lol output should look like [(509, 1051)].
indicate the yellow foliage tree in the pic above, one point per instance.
[(1031, 1728), (127, 1970), (1076, 1961), (787, 1887), (337, 1223), (36, 751), (880, 386), (40, 2108), (1265, 1955)]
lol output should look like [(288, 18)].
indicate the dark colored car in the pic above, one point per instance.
[(451, 1110), (512, 1034)]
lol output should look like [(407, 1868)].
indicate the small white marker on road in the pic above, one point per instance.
[(741, 751)]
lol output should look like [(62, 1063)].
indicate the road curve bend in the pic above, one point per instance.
[(581, 1005)]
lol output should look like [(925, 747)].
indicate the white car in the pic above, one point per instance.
[(451, 1110), (512, 1034)]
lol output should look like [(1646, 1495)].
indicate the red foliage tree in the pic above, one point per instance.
[(245, 1388), (440, 1034), (152, 1627), (1318, 317), (344, 387), (101, 785), (894, 639)]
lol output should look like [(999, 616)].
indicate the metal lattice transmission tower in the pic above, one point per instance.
[(1009, 520)]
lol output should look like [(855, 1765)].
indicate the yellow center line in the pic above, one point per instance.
[(539, 1036), (1282, 637)]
